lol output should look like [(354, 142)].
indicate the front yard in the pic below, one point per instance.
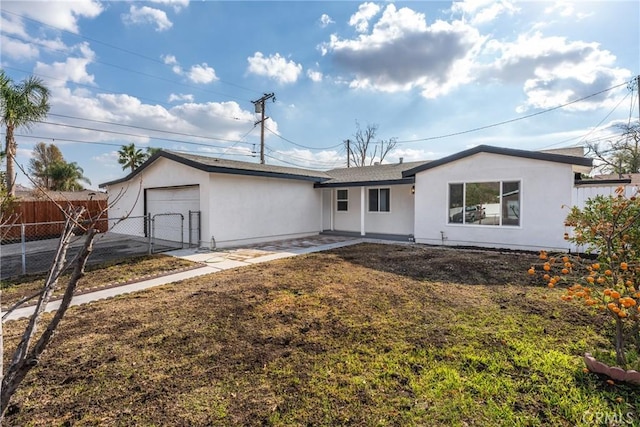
[(364, 335)]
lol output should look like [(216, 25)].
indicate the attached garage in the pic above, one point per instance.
[(239, 203)]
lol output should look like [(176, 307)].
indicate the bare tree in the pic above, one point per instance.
[(27, 354), (364, 150), (621, 155)]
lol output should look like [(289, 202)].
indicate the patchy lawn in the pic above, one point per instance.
[(97, 276), (364, 335)]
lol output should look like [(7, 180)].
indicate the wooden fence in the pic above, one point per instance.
[(44, 219)]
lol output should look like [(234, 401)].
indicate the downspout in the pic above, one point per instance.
[(362, 207)]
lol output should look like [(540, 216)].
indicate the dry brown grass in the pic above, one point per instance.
[(363, 335)]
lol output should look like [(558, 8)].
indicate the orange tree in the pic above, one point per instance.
[(607, 230)]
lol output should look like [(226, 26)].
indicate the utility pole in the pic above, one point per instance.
[(259, 108), (348, 153), (638, 89)]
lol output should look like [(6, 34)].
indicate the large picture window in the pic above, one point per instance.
[(379, 200), (342, 200), (485, 203)]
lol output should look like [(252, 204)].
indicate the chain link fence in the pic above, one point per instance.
[(31, 248)]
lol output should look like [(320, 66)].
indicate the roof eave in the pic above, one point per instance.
[(370, 183), (212, 169), (535, 155)]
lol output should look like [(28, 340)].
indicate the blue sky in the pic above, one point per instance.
[(181, 75)]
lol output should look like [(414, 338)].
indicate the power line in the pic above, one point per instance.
[(142, 128), (140, 55), (134, 71), (581, 138), (300, 145), (165, 104), (129, 134), (515, 119)]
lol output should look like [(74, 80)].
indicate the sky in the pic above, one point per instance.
[(438, 77)]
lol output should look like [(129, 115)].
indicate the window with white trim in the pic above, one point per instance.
[(379, 200), (342, 200), (495, 203)]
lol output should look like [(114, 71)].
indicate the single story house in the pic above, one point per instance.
[(485, 196)]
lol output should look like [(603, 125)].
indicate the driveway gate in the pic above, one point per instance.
[(170, 231)]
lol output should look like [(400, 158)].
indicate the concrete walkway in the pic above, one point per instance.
[(213, 262)]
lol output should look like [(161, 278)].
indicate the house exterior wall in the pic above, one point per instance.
[(545, 188), (127, 198), (399, 220), (245, 209)]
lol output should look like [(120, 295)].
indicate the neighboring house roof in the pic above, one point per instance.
[(386, 174), (536, 155), (28, 194), (569, 151), (213, 164), (612, 178)]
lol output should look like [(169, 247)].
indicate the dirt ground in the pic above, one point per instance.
[(369, 334)]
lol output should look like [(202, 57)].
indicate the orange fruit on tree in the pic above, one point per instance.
[(615, 294)]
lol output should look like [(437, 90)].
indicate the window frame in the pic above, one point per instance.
[(504, 220), (379, 191), (343, 200)]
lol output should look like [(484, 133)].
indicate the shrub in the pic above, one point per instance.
[(607, 279)]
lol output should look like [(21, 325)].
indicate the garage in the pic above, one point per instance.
[(170, 209)]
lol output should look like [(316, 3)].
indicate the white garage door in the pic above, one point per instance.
[(164, 203)]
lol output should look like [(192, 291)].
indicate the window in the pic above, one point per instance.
[(485, 203), (379, 200), (342, 199)]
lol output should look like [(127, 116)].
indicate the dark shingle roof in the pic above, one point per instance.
[(213, 164), (558, 158), (370, 175)]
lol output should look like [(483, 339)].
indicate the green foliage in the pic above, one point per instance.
[(608, 227), (44, 157), (131, 157), (66, 176), (21, 105)]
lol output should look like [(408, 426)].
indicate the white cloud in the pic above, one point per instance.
[(177, 4), (73, 69), (402, 52), (59, 14), (315, 76), (202, 73), (169, 59), (147, 15), (360, 19), (555, 70), (17, 49), (325, 20), (479, 12), (275, 67), (181, 97)]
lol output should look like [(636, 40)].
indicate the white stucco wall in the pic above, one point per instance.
[(128, 198), (246, 209), (399, 220), (545, 187), (235, 209)]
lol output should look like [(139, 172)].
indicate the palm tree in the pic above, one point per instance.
[(131, 157), (21, 105), (65, 176)]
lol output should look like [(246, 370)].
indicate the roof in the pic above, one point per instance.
[(536, 155), (217, 165), (28, 194), (629, 178), (385, 174)]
